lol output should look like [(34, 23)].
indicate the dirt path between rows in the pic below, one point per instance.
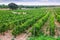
[(57, 28), (57, 24), (45, 28), (8, 36)]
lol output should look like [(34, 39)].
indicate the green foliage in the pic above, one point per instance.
[(36, 28), (58, 18), (19, 23), (24, 26), (57, 14), (27, 24), (52, 25), (3, 28), (43, 38)]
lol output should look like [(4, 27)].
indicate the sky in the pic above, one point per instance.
[(31, 2)]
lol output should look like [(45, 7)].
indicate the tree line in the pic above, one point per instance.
[(14, 6)]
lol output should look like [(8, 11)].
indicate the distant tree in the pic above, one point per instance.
[(13, 6), (20, 6)]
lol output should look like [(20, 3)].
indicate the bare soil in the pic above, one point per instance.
[(8, 36), (57, 28), (4, 9), (45, 28)]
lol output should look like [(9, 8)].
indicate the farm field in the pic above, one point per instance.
[(33, 24)]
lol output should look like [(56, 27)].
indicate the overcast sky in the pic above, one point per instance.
[(31, 2)]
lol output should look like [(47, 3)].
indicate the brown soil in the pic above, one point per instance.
[(8, 36), (57, 24), (4, 9), (23, 36), (57, 31), (45, 28)]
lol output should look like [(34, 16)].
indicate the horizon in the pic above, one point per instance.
[(31, 2)]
